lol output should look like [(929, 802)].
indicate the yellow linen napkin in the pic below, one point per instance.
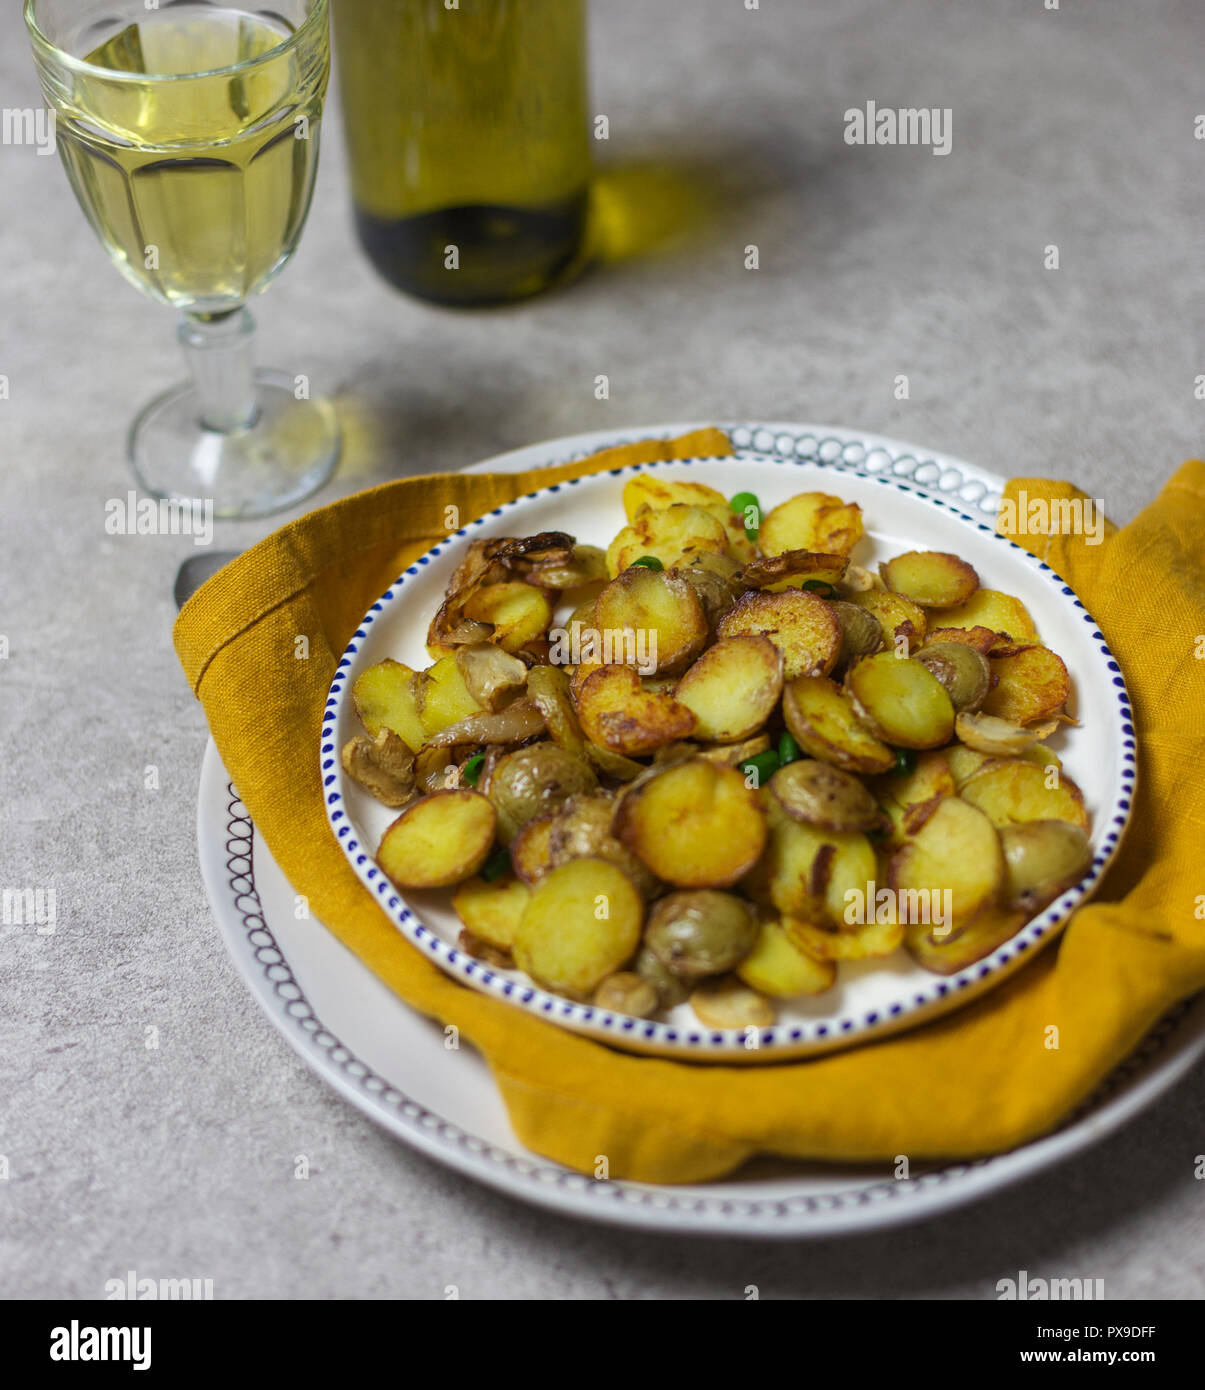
[(979, 1081)]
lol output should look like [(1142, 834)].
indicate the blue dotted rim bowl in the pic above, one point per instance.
[(780, 1041)]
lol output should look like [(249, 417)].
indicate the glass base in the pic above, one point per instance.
[(284, 455)]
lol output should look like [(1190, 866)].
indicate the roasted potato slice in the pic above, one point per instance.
[(694, 825), (661, 610), (727, 1002), (898, 617), (815, 521), (700, 932), (861, 633), (1014, 791), (384, 698), (520, 613), (581, 829), (1031, 683), (792, 569), (806, 872), (946, 954), (983, 639), (625, 992), (1000, 613), (865, 941), (492, 911), (618, 714), (534, 781), (733, 688), (963, 671), (956, 850), (674, 535), (531, 849), (616, 765), (671, 991), (491, 676), (653, 492), (581, 923), (823, 722), (441, 696), (900, 699), (776, 967), (439, 841), (716, 593), (902, 794), (548, 687), (1000, 738), (964, 762), (800, 625), (930, 578), (732, 754), (383, 766), (1043, 859), (818, 794)]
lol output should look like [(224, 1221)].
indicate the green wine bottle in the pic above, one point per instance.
[(467, 131)]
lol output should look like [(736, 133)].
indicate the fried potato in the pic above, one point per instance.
[(581, 923), (581, 829), (674, 535), (946, 955), (806, 872), (982, 639), (777, 968), (519, 612), (727, 1002), (614, 764), (625, 992), (439, 841), (651, 492), (990, 609), (661, 610), (896, 615), (861, 633), (814, 521), (492, 911), (1043, 858), (1014, 791), (531, 850), (442, 697), (733, 688), (930, 578), (1031, 682), (964, 762), (865, 941), (963, 671), (901, 700), (902, 794), (792, 569), (800, 625), (618, 714), (818, 794), (533, 781), (987, 734), (823, 722), (694, 825), (384, 698), (956, 850), (383, 766), (548, 687)]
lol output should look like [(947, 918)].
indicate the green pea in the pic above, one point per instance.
[(819, 586), (905, 761), (648, 562), (742, 501)]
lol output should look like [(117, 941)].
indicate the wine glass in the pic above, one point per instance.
[(190, 135)]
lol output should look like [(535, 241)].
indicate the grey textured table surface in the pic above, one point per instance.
[(1072, 128)]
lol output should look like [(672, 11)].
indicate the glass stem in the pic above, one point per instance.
[(218, 348)]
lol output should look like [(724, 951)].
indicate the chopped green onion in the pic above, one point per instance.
[(497, 864), (648, 562), (762, 765), (905, 762), (471, 771), (788, 750)]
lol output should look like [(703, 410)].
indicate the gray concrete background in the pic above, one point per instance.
[(1071, 128)]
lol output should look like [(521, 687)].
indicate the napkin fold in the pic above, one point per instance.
[(978, 1081)]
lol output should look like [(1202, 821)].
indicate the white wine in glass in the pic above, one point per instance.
[(190, 135)]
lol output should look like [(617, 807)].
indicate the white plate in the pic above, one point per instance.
[(872, 998), (391, 1063)]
